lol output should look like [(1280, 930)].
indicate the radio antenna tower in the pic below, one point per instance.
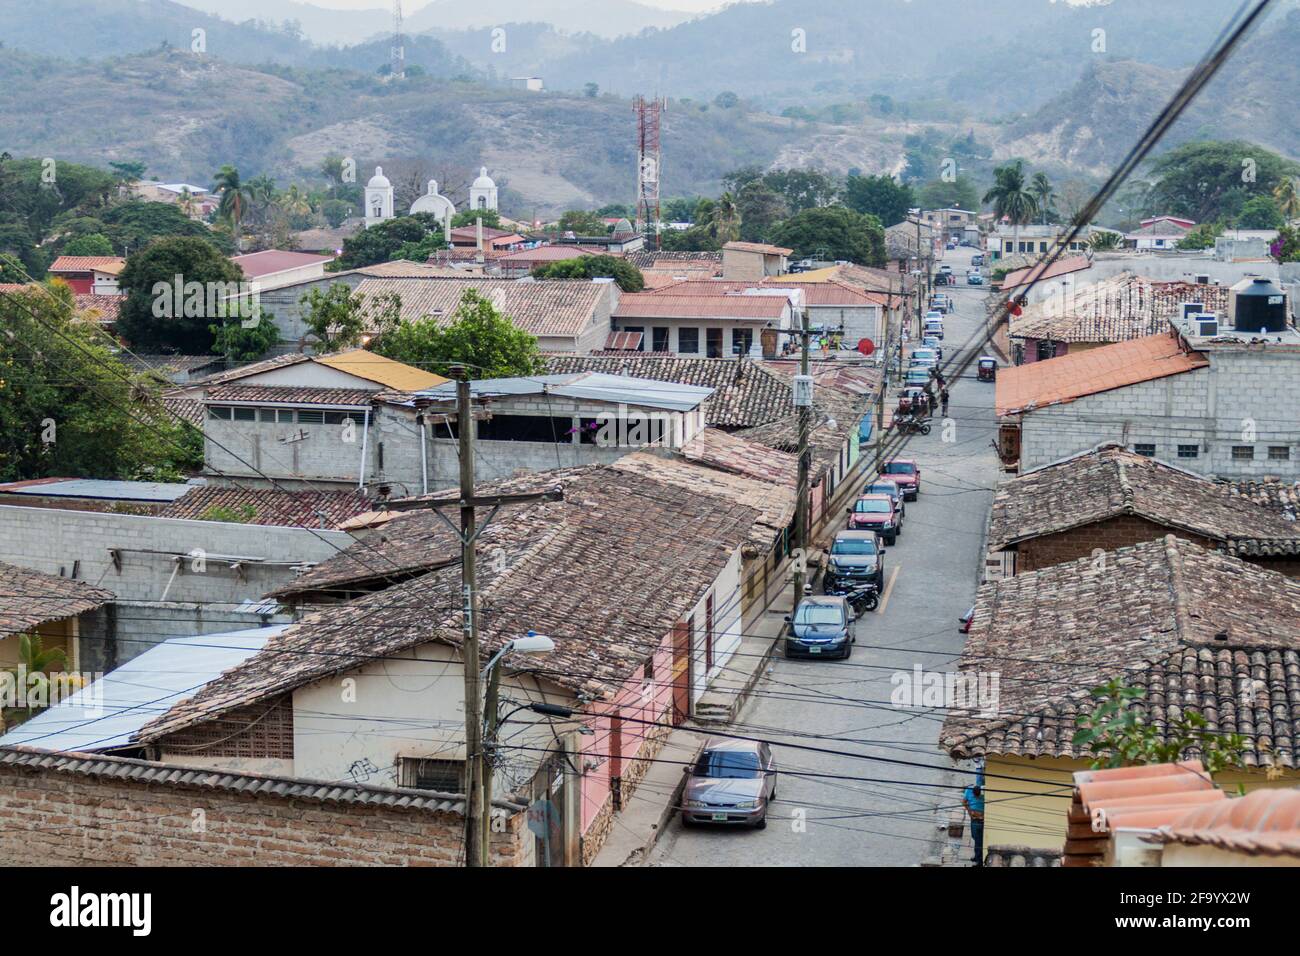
[(648, 164), (398, 70)]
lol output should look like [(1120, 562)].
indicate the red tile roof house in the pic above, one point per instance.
[(713, 326), (273, 268), (630, 658), (89, 275), (1224, 406)]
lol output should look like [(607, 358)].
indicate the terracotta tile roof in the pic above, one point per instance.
[(745, 393), (1282, 497), (1161, 229), (1038, 272), (268, 507), (470, 234), (1074, 375), (666, 304), (652, 259), (30, 598), (623, 341), (544, 254), (1195, 629), (765, 248), (253, 368), (1109, 481), (1123, 307), (557, 307), (289, 395), (667, 543), (168, 364), (1002, 856), (109, 264), (270, 261), (186, 409), (104, 309), (774, 502), (1265, 822), (727, 451), (399, 269)]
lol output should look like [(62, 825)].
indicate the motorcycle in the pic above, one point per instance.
[(864, 597), (911, 425)]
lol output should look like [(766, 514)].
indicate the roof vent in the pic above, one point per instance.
[(1221, 636)]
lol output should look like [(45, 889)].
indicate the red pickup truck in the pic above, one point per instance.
[(906, 473)]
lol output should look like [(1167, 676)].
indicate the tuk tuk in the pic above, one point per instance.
[(988, 368)]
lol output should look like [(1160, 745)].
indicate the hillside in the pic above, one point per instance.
[(186, 115), (1092, 125)]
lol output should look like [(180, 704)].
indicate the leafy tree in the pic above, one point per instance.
[(335, 211), (726, 100), (1044, 195), (129, 172), (625, 274), (958, 194), (760, 208), (1202, 236), (1209, 181), (1287, 195), (803, 188), (133, 225), (241, 514), (68, 406), (881, 196), (383, 242), (581, 222), (235, 198), (833, 232), (1286, 248), (1011, 196), (726, 219), (468, 217), (93, 244), (334, 315), (679, 209), (478, 337), (1118, 735), (240, 343), (1104, 239), (148, 316), (1260, 212), (590, 90)]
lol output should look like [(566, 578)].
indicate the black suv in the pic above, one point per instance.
[(855, 557)]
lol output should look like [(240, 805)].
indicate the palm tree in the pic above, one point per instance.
[(726, 218), (187, 202), (1044, 194), (1287, 194), (235, 198), (1011, 197), (295, 201)]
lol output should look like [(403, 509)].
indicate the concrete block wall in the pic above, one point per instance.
[(49, 817)]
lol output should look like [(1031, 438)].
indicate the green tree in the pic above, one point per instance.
[(1287, 196), (726, 219), (625, 274), (1044, 195), (1211, 181), (133, 225), (760, 208), (68, 406), (1118, 734), (1286, 248), (1104, 239), (478, 337), (334, 315), (236, 197), (726, 100), (1260, 212), (1202, 236), (469, 217), (833, 232), (590, 90), (94, 244), (881, 196), (174, 290), (582, 222), (803, 188), (335, 212), (241, 343), (384, 242), (938, 194), (1011, 196)]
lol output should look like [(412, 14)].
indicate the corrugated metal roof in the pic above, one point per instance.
[(597, 386), (108, 713), (156, 491)]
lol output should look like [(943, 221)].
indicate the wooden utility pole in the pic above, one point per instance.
[(802, 514)]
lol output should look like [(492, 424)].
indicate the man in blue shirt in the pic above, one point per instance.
[(973, 798)]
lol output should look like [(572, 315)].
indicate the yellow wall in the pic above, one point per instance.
[(60, 634), (1032, 811)]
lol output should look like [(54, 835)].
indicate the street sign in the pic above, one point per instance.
[(803, 391), (866, 346)]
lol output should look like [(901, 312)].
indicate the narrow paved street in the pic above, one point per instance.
[(845, 809)]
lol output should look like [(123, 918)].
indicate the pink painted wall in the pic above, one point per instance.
[(1031, 350)]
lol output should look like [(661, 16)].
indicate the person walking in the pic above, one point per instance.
[(973, 799), (943, 400)]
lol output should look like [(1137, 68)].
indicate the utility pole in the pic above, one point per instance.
[(802, 516), (884, 385), (475, 841), (477, 765)]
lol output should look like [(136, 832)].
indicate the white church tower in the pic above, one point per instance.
[(483, 194), (379, 199)]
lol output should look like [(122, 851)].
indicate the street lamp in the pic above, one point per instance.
[(531, 643)]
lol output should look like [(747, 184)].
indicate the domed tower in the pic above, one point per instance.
[(379, 198), (483, 194)]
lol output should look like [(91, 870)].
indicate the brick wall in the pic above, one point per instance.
[(53, 817), (1118, 532)]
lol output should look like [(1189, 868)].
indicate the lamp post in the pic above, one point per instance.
[(531, 643)]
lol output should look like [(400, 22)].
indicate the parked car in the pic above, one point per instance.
[(822, 626), (855, 557), (886, 486), (731, 782), (977, 259), (946, 269), (924, 355), (907, 473), (918, 376), (974, 278), (932, 342), (876, 513), (934, 327)]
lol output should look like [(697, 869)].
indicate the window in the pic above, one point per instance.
[(688, 341), (1279, 453), (425, 773), (338, 418), (713, 343), (1243, 452), (219, 411), (660, 337), (533, 428), (648, 669), (1145, 449), (311, 418), (742, 340), (1189, 451), (266, 415), (1046, 350), (640, 330), (284, 416)]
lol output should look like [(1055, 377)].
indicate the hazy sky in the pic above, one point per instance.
[(693, 6)]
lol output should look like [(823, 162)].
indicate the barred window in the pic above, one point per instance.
[(1189, 451), (1279, 453), (1243, 452)]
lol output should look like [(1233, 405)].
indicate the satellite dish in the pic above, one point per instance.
[(866, 346)]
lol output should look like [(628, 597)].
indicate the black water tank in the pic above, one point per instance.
[(1260, 307)]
